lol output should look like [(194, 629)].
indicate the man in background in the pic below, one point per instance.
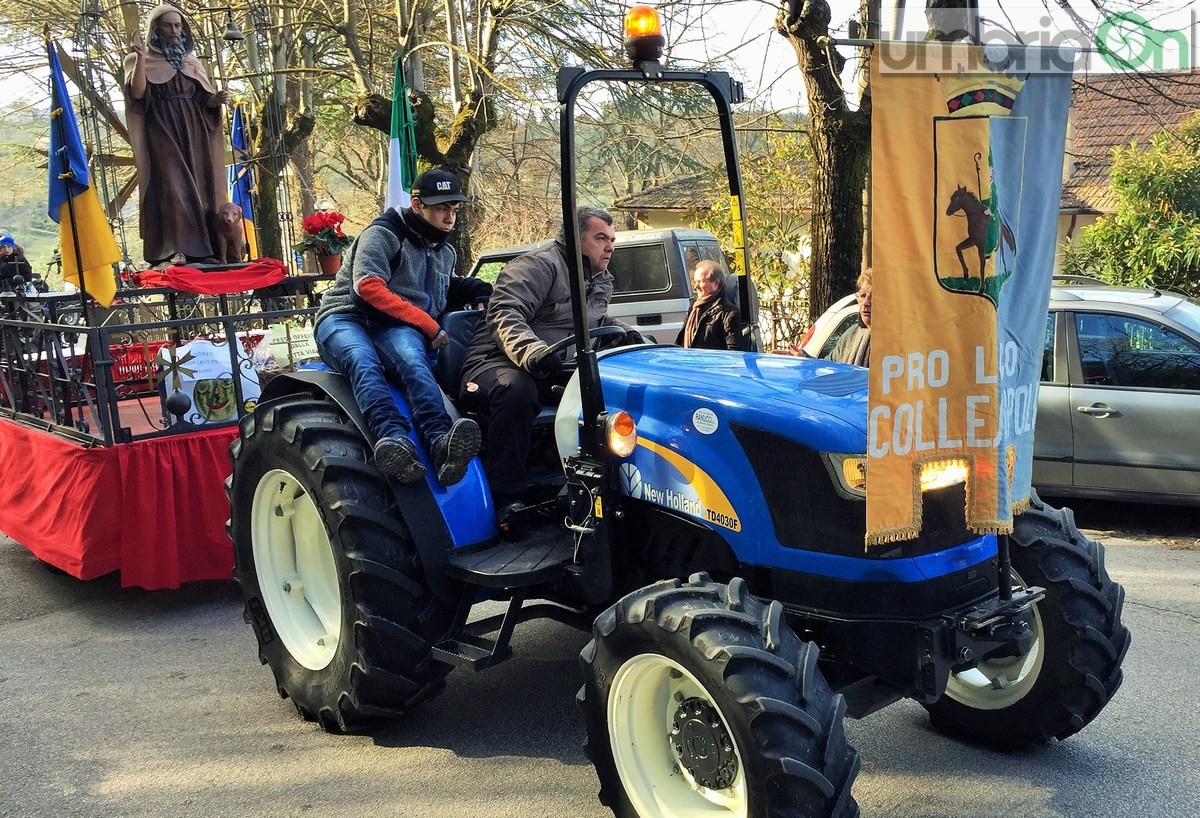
[(13, 263)]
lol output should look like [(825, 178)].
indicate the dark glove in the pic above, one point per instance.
[(632, 336), (467, 293), (542, 365)]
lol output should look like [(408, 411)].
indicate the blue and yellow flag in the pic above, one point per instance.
[(402, 149), (241, 178), (966, 155), (73, 203)]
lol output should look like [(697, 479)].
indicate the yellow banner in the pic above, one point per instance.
[(933, 387), (967, 150)]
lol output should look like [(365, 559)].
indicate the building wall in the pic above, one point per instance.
[(1067, 229)]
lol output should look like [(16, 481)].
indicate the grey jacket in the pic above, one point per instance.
[(854, 347), (413, 268), (531, 309)]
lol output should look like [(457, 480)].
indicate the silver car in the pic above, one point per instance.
[(1119, 402)]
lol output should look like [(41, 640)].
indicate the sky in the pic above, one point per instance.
[(742, 29), (766, 64)]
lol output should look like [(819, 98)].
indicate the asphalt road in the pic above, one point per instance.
[(130, 703)]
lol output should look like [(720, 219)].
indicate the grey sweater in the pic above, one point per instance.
[(412, 267)]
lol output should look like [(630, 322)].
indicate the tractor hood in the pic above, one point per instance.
[(678, 394), (818, 403), (712, 425)]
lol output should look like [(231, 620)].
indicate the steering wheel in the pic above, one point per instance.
[(608, 330)]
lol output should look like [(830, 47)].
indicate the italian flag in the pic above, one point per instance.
[(402, 152)]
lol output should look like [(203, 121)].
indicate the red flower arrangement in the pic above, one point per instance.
[(323, 234)]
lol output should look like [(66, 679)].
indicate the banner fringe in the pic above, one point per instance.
[(890, 535), (991, 526)]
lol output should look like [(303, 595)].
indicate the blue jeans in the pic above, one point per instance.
[(370, 353)]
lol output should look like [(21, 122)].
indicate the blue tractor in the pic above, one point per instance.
[(707, 524)]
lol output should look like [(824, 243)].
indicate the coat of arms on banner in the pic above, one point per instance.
[(977, 207)]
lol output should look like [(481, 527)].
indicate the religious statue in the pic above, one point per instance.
[(175, 128)]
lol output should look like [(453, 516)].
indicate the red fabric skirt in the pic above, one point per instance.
[(154, 510)]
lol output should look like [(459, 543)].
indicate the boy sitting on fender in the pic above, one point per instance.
[(378, 322)]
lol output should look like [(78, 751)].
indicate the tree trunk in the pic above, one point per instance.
[(841, 142), (273, 144)]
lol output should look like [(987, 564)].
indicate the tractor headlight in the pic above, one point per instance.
[(850, 473), (620, 432), (937, 474)]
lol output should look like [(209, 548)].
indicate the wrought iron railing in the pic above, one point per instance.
[(158, 362)]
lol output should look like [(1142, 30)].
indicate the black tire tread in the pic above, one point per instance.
[(1083, 607), (390, 618), (796, 758)]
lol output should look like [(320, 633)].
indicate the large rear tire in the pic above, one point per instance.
[(333, 586), (1074, 665), (699, 699)]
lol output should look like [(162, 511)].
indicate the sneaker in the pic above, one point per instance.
[(455, 450), (397, 458)]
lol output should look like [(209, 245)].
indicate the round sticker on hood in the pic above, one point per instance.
[(704, 421)]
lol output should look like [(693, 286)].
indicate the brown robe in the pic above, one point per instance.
[(179, 150)]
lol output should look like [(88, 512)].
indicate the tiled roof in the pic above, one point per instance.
[(684, 193), (1108, 110)]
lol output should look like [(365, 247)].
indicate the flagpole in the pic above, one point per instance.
[(241, 169), (66, 175)]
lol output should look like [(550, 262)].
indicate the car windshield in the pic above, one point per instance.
[(1186, 313)]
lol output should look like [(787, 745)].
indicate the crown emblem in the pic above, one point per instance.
[(979, 92)]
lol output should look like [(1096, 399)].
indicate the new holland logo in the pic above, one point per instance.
[(631, 480)]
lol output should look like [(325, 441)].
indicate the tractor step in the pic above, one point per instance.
[(471, 652), (532, 561), (473, 649)]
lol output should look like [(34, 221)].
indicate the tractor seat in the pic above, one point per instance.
[(460, 328)]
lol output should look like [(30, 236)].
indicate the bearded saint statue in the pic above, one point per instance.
[(175, 129)]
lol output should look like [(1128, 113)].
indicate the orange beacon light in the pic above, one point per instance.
[(644, 39)]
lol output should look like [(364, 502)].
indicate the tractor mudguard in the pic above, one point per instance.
[(440, 519)]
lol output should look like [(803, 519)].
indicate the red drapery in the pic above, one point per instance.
[(155, 510), (261, 272)]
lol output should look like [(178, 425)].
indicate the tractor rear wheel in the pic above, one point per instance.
[(333, 586), (1074, 665), (699, 699)]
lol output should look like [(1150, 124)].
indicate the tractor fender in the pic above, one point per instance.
[(318, 382), (419, 507)]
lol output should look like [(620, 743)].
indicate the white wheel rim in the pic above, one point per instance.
[(646, 692), (297, 574), (998, 683)]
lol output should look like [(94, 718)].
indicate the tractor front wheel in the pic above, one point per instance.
[(700, 700), (1073, 667)]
